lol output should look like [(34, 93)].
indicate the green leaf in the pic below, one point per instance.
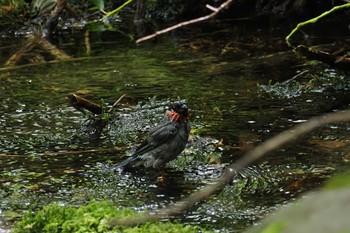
[(100, 4)]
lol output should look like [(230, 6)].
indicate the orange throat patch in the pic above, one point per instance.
[(173, 116)]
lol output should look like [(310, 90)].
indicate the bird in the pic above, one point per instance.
[(164, 143)]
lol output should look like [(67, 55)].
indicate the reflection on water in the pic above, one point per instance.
[(41, 135)]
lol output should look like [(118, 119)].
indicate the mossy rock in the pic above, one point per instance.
[(94, 217), (323, 211)]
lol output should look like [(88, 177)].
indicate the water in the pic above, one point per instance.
[(46, 157)]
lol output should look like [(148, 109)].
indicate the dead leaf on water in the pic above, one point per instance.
[(346, 157), (83, 92)]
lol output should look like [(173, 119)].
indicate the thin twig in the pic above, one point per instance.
[(295, 76), (215, 12), (116, 11), (314, 20), (87, 42), (58, 153), (230, 172), (116, 103)]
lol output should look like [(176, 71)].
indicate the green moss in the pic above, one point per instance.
[(338, 181), (274, 227), (94, 217), (49, 219)]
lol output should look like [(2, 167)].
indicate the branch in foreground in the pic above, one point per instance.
[(230, 172), (215, 12)]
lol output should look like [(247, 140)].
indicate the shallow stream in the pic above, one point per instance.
[(47, 156)]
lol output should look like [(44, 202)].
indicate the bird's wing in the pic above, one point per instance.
[(159, 136)]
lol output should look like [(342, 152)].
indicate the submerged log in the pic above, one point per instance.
[(340, 58)]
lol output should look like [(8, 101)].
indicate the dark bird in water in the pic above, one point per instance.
[(164, 143)]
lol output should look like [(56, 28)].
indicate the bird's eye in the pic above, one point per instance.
[(183, 106)]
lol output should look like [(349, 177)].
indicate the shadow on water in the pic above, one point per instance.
[(45, 158)]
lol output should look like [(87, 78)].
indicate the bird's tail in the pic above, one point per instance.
[(127, 162)]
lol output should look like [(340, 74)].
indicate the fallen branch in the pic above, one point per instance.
[(53, 50), (230, 172), (11, 62), (70, 59), (80, 103), (203, 18), (35, 41), (52, 19)]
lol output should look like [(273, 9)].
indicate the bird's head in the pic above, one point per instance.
[(178, 111)]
